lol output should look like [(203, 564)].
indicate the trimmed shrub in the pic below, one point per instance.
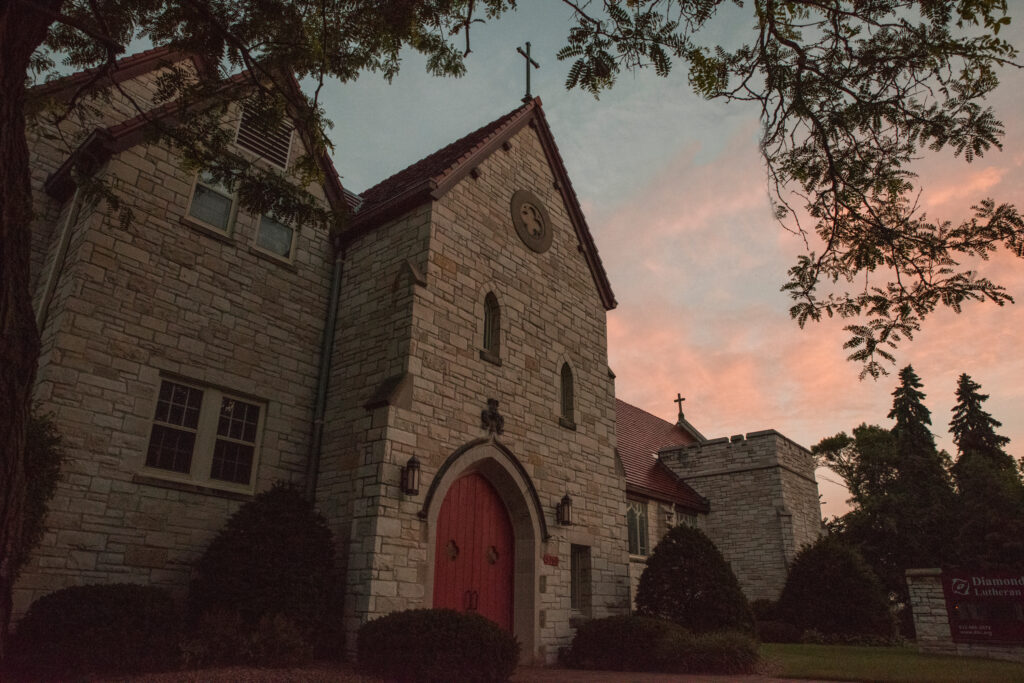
[(97, 629), (776, 631), (629, 643), (626, 643), (689, 582), (274, 556), (832, 591), (278, 641), (426, 645), (722, 652), (218, 639), (765, 610)]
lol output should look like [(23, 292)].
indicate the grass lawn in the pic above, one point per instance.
[(850, 663)]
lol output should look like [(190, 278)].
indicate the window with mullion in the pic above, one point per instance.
[(204, 436), (173, 437), (636, 525), (235, 447)]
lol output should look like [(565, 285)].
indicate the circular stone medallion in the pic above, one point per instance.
[(530, 217)]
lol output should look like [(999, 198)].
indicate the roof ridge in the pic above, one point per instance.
[(421, 170), (124, 68)]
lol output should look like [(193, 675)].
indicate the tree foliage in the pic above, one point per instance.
[(991, 493), (901, 495), (850, 95)]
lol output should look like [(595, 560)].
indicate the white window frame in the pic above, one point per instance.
[(206, 438), (637, 510), (263, 250), (227, 230)]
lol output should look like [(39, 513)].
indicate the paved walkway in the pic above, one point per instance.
[(525, 674)]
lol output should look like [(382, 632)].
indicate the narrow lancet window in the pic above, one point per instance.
[(492, 329), (568, 417)]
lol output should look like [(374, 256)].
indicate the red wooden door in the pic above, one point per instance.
[(475, 552)]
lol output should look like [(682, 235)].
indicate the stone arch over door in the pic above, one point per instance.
[(506, 475)]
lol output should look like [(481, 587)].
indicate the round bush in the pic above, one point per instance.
[(627, 643), (97, 629), (426, 645), (630, 643), (831, 590), (721, 652), (689, 582), (274, 556)]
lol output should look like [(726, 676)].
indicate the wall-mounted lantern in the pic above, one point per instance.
[(411, 477), (563, 511)]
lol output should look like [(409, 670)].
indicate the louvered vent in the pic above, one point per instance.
[(272, 145)]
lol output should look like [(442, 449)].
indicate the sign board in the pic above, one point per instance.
[(985, 607)]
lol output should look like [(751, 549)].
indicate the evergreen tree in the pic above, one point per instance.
[(902, 497), (990, 506), (974, 430), (921, 490)]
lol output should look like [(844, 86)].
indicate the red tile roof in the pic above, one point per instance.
[(435, 166), (431, 177), (123, 69), (640, 436)]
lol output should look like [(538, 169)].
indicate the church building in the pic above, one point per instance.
[(436, 377)]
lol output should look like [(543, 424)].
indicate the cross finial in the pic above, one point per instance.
[(679, 399), (529, 61)]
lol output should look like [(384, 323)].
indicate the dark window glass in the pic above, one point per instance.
[(170, 449), (568, 393), (232, 462), (492, 324)]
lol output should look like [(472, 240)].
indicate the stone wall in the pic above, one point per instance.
[(931, 621), (764, 503), (161, 299), (410, 334)]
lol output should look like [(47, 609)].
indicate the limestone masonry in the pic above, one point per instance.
[(181, 360)]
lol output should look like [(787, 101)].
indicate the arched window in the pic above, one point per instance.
[(492, 330), (568, 417)]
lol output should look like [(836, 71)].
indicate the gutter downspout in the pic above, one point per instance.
[(323, 377), (59, 257)]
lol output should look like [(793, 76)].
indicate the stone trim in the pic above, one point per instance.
[(160, 482), (424, 512), (718, 473)]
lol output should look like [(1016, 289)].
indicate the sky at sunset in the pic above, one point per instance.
[(675, 195)]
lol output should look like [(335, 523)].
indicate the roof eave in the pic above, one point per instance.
[(634, 489)]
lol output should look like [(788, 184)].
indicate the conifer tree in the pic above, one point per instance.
[(974, 430), (921, 491), (990, 506)]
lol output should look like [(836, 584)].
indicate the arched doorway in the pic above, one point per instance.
[(495, 464), (474, 553)]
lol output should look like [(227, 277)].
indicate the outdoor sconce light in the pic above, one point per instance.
[(563, 511), (411, 477)]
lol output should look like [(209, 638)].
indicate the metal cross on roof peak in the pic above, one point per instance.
[(679, 399), (529, 60)]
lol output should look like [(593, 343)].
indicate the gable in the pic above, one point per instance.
[(106, 141), (640, 436), (432, 177)]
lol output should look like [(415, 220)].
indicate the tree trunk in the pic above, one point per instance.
[(22, 30)]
